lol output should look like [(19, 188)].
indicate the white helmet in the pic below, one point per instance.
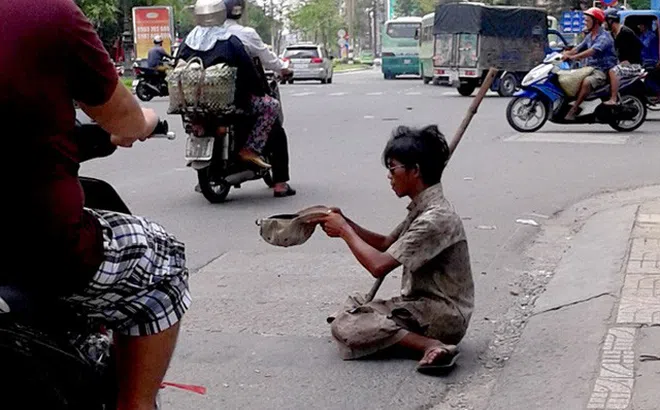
[(210, 12), (158, 39)]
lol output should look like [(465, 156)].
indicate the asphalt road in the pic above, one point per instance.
[(256, 336)]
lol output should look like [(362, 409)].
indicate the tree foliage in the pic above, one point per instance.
[(319, 20)]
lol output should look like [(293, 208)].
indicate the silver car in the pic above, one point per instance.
[(309, 62)]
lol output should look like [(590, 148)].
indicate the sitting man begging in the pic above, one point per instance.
[(437, 292), (598, 50)]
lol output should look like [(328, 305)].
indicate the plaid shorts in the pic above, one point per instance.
[(142, 287), (627, 70)]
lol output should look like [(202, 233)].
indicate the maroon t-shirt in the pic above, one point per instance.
[(50, 56)]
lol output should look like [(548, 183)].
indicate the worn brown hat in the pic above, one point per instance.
[(290, 229)]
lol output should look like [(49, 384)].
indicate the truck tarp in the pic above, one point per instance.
[(491, 21), (510, 38)]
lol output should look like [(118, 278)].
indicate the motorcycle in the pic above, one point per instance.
[(56, 358), (214, 141), (542, 98), (150, 82)]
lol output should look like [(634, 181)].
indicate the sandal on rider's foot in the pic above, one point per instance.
[(287, 192), (611, 103), (253, 157)]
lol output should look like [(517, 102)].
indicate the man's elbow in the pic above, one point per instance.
[(380, 269)]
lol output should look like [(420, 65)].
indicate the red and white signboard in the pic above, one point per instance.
[(149, 22)]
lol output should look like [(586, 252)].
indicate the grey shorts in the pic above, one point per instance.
[(627, 70), (597, 79)]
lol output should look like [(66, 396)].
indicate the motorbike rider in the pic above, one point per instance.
[(629, 51), (125, 271), (650, 50), (156, 55), (214, 45), (598, 50), (256, 48)]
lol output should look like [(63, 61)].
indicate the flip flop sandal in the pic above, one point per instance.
[(282, 194), (441, 368)]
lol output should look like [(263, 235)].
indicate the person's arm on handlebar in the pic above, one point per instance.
[(122, 117), (255, 44), (95, 84)]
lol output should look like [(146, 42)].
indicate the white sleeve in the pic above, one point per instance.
[(257, 48)]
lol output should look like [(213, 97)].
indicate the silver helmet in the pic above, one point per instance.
[(210, 13)]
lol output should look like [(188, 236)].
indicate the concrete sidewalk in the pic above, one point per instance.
[(592, 338)]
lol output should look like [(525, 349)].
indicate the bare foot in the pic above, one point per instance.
[(610, 102), (438, 354)]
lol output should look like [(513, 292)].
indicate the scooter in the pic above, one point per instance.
[(150, 82), (542, 98), (52, 356), (214, 141)]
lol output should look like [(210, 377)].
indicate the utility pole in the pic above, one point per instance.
[(374, 23), (350, 4)]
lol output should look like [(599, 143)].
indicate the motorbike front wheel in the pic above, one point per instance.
[(143, 92), (527, 115), (214, 192)]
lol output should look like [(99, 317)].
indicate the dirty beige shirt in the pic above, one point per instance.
[(432, 247)]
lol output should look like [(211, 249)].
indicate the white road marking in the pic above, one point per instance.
[(571, 138)]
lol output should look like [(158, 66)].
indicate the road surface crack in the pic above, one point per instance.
[(577, 302)]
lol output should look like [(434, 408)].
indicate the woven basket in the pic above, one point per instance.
[(193, 87)]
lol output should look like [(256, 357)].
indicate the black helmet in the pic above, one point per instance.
[(612, 15), (235, 8)]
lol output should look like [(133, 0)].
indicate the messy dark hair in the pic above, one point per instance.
[(425, 148)]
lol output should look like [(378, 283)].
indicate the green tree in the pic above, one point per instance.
[(406, 8), (99, 12), (318, 20), (427, 6), (639, 4)]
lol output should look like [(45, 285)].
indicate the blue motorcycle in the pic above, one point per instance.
[(542, 98)]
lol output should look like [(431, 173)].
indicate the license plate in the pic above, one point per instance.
[(302, 66), (199, 149), (453, 76), (407, 61)]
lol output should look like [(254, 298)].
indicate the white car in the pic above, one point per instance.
[(309, 62)]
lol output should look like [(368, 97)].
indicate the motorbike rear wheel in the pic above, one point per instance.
[(143, 92), (520, 121), (214, 192), (632, 125)]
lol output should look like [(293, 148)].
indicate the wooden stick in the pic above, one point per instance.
[(485, 86)]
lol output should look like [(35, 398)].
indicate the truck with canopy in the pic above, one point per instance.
[(472, 37)]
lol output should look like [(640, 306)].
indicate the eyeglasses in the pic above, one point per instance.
[(392, 168)]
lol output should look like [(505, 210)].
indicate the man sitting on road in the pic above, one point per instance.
[(598, 50), (437, 290), (629, 50)]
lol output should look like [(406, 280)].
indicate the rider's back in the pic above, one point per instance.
[(50, 56), (227, 49)]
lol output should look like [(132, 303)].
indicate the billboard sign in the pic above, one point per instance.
[(149, 22)]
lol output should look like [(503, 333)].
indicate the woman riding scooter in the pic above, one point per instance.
[(213, 44)]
